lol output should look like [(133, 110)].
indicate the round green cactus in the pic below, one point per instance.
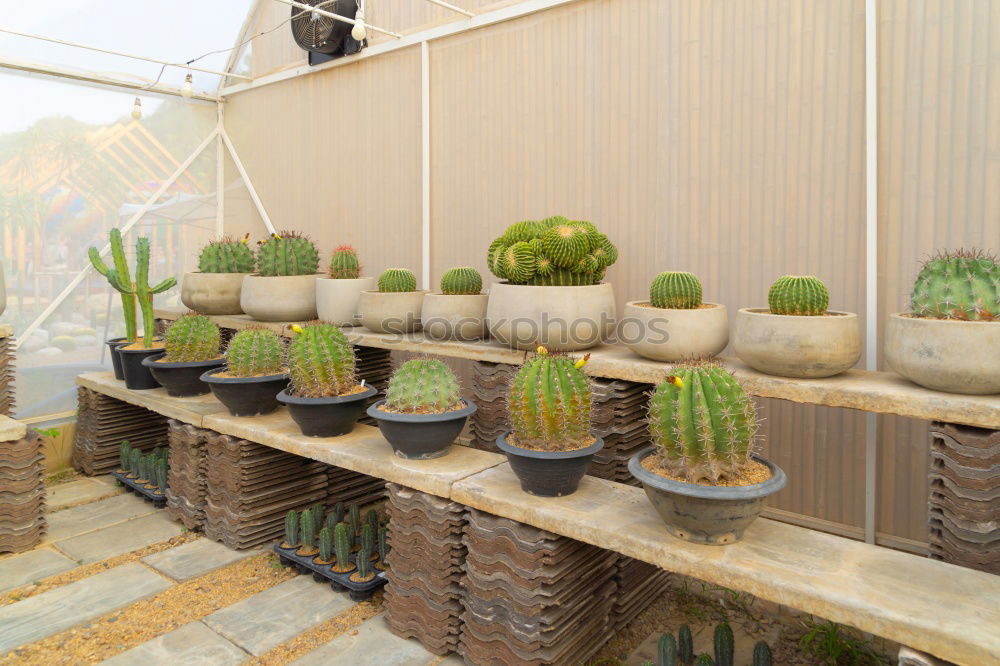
[(424, 386), (397, 279), (800, 295), (255, 352), (958, 285), (677, 290), (344, 263), (287, 253), (192, 337), (462, 280), (227, 256), (320, 362), (554, 251), (550, 404), (702, 423)]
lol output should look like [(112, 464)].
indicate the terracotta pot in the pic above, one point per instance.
[(213, 293), (454, 317), (391, 311), (279, 298), (337, 300), (561, 318), (668, 334), (797, 346)]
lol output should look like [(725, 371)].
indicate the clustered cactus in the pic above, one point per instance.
[(192, 337), (332, 537), (344, 263), (553, 251), (681, 651), (423, 386), (320, 362), (799, 295), (964, 284), (702, 423), (550, 404), (287, 253), (227, 256), (255, 352), (149, 468), (397, 280), (460, 281), (676, 290)]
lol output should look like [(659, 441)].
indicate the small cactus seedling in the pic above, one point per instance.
[(227, 256), (307, 528), (704, 660), (666, 651), (464, 280), (255, 352), (124, 452), (368, 539), (161, 474), (318, 509), (287, 253), (354, 519), (338, 512), (364, 573), (331, 521), (676, 290), (291, 529), (723, 645), (761, 654), (135, 460), (550, 404), (798, 295), (383, 547), (423, 386), (958, 285), (371, 517), (344, 263), (193, 337), (397, 279), (320, 362), (342, 546), (685, 645), (325, 545)]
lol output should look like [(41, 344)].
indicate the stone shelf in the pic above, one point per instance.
[(189, 410)]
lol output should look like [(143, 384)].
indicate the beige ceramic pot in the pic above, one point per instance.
[(454, 317), (213, 293), (391, 311), (279, 298), (945, 354), (337, 300), (3, 291), (561, 318), (669, 334), (797, 346)]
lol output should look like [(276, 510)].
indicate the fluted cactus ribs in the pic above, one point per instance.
[(397, 280), (344, 263), (291, 529), (463, 280), (798, 295), (550, 404), (227, 255), (676, 290), (320, 361), (255, 352), (423, 386), (193, 337), (964, 284), (554, 251), (286, 253)]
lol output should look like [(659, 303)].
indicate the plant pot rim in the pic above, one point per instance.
[(504, 446), (152, 362), (258, 275), (286, 398), (934, 321), (220, 273), (755, 491), (388, 293), (210, 378), (766, 312), (151, 350), (323, 276), (505, 283), (646, 305), (376, 413), (439, 293)]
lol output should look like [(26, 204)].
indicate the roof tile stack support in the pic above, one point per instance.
[(102, 423), (639, 584), (489, 391), (374, 366), (186, 481), (6, 372), (22, 487)]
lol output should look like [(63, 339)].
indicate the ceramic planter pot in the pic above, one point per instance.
[(3, 291), (421, 436), (326, 417), (181, 379), (561, 318), (945, 354), (116, 359), (279, 298), (548, 473), (797, 346), (213, 293), (712, 515), (137, 375), (391, 311), (668, 334), (247, 396), (337, 300), (454, 317)]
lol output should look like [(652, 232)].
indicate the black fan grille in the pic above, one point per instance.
[(322, 34)]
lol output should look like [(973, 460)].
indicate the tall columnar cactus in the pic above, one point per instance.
[(344, 263), (801, 295), (553, 251), (132, 289), (424, 386), (723, 645), (320, 361), (702, 423), (255, 352), (685, 645), (675, 289), (666, 651), (761, 654), (291, 529), (338, 512), (135, 458), (193, 337), (550, 403), (325, 544), (383, 546), (464, 280), (227, 256), (371, 518), (318, 509), (331, 521), (364, 565), (354, 520), (124, 451), (368, 538), (287, 253), (964, 284), (307, 528), (397, 279), (161, 474), (342, 546)]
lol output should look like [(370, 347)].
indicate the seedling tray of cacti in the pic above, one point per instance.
[(143, 474)]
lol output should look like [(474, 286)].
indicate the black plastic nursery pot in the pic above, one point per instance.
[(246, 396), (326, 417), (548, 473), (116, 360), (712, 515), (421, 436), (137, 375), (154, 494), (183, 379), (359, 591)]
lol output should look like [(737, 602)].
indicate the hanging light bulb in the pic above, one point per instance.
[(358, 32), (137, 109), (187, 89)]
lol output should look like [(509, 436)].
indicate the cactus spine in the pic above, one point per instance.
[(666, 651), (761, 654), (287, 253), (554, 251), (702, 423), (723, 645), (227, 256), (307, 528), (798, 295), (677, 290), (325, 544), (193, 337), (344, 263), (462, 280), (685, 645), (397, 279), (423, 386), (255, 352), (958, 285), (291, 529), (320, 362), (342, 547), (550, 403)]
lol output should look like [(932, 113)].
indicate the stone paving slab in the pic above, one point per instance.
[(194, 644), (76, 492), (121, 538), (273, 616), (31, 566), (372, 644), (52, 612), (195, 558), (89, 517)]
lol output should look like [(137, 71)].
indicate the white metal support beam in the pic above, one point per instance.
[(871, 258), (442, 3), (220, 174), (241, 36), (338, 17), (246, 180), (425, 166)]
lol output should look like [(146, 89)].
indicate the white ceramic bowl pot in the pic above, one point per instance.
[(559, 318), (213, 293), (337, 300), (279, 298), (945, 354), (391, 311), (3, 291), (797, 346), (454, 316), (674, 334)]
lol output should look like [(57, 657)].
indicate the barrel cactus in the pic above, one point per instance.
[(320, 362), (964, 284), (800, 295), (291, 529), (325, 544), (675, 289), (227, 256), (397, 279), (550, 403), (423, 386), (287, 253), (722, 643), (255, 352), (702, 423), (344, 263), (193, 337), (342, 546), (554, 251), (458, 281)]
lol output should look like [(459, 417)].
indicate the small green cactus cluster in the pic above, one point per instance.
[(459, 281), (676, 290), (702, 422), (423, 386), (150, 468), (320, 362), (255, 352), (553, 251), (397, 280), (344, 263), (333, 537), (799, 295), (550, 404), (287, 253), (192, 337), (227, 256), (964, 284), (681, 651)]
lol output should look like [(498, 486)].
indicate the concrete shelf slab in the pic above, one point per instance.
[(190, 410)]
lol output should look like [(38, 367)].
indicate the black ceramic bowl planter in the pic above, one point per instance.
[(246, 396), (326, 417), (116, 360), (181, 379), (137, 375), (548, 473), (421, 436)]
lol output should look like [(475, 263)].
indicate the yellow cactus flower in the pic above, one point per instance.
[(582, 362), (296, 328), (541, 351)]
